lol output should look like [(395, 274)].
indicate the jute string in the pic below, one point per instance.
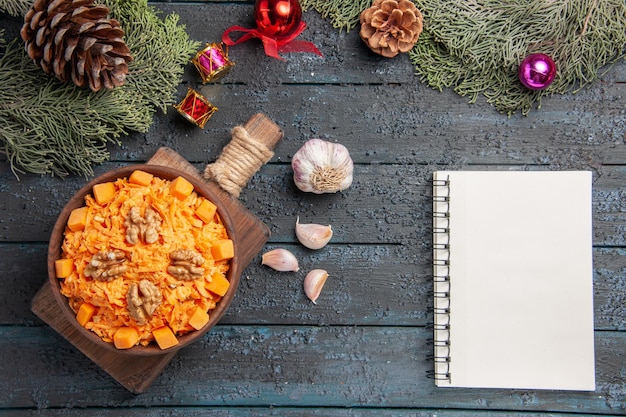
[(238, 162)]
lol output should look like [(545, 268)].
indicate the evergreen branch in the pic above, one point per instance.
[(15, 7), (342, 13), (54, 128), (49, 127), (485, 42), (160, 49), (475, 47)]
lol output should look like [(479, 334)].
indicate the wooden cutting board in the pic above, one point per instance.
[(137, 373)]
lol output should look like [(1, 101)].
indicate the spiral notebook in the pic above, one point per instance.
[(513, 280)]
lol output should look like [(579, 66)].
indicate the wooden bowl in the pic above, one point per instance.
[(78, 200)]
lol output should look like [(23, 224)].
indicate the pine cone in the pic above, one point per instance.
[(74, 39), (389, 27)]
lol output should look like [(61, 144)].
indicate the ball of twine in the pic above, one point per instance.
[(239, 161)]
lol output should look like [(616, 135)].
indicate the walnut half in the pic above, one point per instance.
[(106, 265), (143, 298), (142, 228), (186, 264)]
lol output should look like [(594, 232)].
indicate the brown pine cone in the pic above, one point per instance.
[(74, 39), (389, 27)]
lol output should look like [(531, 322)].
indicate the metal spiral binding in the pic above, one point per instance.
[(441, 279)]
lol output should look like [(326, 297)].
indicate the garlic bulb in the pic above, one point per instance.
[(322, 167), (280, 260), (313, 236), (313, 283)]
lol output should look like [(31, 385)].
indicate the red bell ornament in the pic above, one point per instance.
[(277, 18), (278, 24)]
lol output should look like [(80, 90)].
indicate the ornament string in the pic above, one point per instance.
[(272, 46), (240, 159)]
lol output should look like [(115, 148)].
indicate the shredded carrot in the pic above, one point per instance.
[(105, 231)]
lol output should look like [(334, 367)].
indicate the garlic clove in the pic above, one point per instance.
[(313, 283), (322, 167), (313, 236), (280, 260)]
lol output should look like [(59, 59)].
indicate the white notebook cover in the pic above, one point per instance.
[(517, 309)]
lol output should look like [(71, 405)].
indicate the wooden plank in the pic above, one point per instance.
[(424, 126), (391, 203), (306, 94), (382, 285), (288, 366), (275, 353), (385, 204), (276, 411)]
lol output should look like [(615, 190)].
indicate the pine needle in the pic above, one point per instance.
[(342, 13), (49, 127), (160, 47), (15, 7), (475, 47)]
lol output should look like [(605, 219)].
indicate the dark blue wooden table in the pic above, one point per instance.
[(364, 348)]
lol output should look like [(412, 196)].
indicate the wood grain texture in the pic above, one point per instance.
[(377, 285), (387, 203), (273, 411), (282, 366), (264, 130), (363, 349)]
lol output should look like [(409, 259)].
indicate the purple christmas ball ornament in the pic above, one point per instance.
[(537, 71)]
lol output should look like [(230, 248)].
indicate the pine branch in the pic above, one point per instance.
[(475, 47), (53, 128), (49, 127), (484, 42), (160, 48), (15, 7), (344, 14)]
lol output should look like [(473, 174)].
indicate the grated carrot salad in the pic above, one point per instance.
[(105, 230)]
